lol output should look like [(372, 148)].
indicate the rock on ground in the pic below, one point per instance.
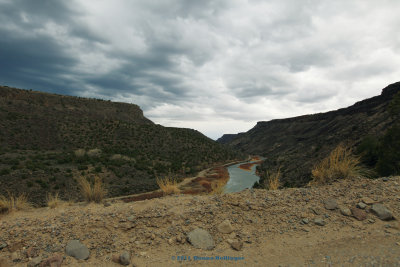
[(358, 214), (345, 211), (54, 261), (225, 227), (77, 250), (319, 221), (125, 258), (382, 212), (200, 238), (330, 204)]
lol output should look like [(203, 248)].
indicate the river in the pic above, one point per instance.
[(240, 179)]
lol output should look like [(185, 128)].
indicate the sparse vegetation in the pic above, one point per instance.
[(168, 185), (53, 201), (218, 188), (92, 192), (13, 203), (272, 182), (383, 153), (340, 164), (90, 136)]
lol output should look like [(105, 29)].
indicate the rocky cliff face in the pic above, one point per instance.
[(296, 144)]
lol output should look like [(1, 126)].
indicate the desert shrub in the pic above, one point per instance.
[(79, 153), (5, 171), (168, 185), (82, 167), (389, 153), (339, 164), (92, 192), (368, 149), (272, 181), (13, 203), (53, 201), (94, 153)]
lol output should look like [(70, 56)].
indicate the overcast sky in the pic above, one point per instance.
[(215, 66)]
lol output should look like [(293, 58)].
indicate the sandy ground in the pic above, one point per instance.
[(274, 228)]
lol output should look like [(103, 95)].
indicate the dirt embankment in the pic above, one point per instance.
[(347, 223)]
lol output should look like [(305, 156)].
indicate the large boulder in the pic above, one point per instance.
[(77, 250), (200, 238), (382, 212)]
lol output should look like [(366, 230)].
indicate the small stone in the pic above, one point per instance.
[(15, 257), (200, 238), (225, 227), (77, 250), (358, 214), (361, 205), (345, 211), (107, 204), (382, 212), (305, 221), (385, 179), (317, 211), (170, 241), (371, 220), (131, 218), (115, 258), (237, 245), (330, 204), (34, 262), (230, 241), (367, 200), (319, 221), (32, 252), (54, 261), (125, 258), (3, 245)]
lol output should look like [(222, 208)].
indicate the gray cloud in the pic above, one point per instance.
[(217, 66)]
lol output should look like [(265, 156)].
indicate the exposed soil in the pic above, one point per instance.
[(247, 166), (290, 227)]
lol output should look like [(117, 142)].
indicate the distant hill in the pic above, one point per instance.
[(296, 144), (226, 138), (47, 139)]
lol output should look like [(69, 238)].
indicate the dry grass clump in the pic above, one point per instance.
[(272, 182), (340, 164), (92, 192), (94, 153), (218, 188), (168, 185), (79, 153), (13, 203), (53, 201)]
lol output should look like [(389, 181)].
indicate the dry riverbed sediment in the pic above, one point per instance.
[(347, 223)]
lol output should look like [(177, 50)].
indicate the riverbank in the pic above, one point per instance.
[(330, 225)]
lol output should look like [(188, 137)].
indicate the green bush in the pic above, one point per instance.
[(5, 171), (368, 149), (389, 153)]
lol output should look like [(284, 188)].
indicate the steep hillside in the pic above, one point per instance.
[(297, 143), (46, 140)]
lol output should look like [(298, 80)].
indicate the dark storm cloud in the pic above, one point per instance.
[(204, 64)]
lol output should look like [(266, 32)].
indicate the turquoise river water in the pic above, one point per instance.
[(240, 179)]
